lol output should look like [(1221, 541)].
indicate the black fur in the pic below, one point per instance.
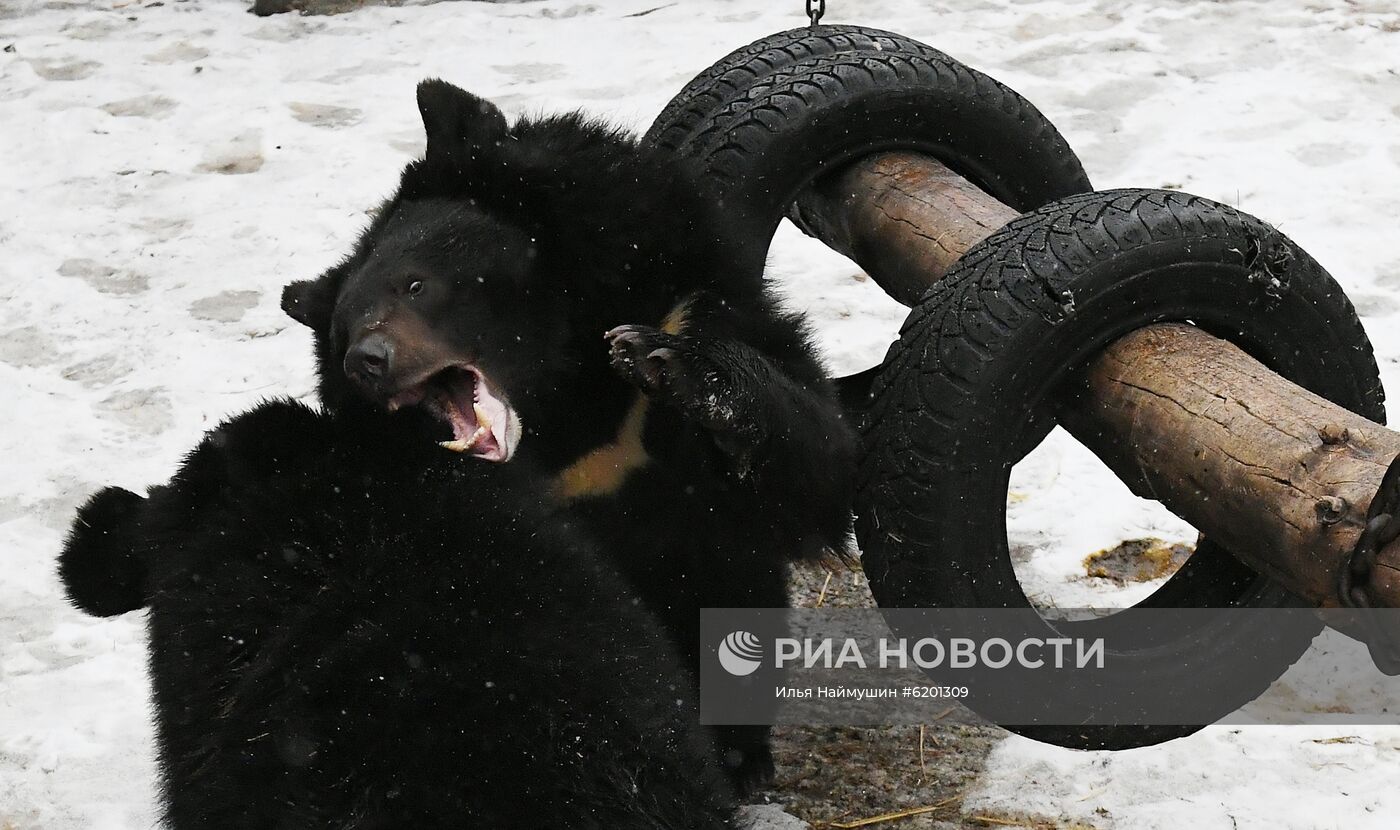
[(528, 244), (100, 568), (350, 631)]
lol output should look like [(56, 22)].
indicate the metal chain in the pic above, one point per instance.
[(815, 10)]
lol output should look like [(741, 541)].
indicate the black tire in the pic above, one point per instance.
[(734, 73), (763, 145), (970, 387)]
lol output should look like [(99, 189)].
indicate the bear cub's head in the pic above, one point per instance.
[(480, 291)]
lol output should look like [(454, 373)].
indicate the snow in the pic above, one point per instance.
[(170, 167)]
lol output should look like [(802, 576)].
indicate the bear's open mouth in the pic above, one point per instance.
[(482, 423)]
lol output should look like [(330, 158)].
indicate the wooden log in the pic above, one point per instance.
[(904, 218), (1271, 471), (1278, 475)]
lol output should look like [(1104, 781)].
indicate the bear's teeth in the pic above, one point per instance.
[(467, 445), (481, 418)]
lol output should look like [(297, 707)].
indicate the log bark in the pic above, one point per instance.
[(1278, 475), (904, 218)]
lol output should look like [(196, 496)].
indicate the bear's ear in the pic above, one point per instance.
[(310, 302), (456, 121)]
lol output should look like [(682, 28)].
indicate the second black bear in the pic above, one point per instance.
[(554, 291), (348, 633)]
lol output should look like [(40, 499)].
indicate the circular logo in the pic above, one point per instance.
[(740, 653)]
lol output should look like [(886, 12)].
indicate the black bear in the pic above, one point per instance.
[(346, 632), (553, 290)]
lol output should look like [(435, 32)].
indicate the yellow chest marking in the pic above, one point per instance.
[(603, 471)]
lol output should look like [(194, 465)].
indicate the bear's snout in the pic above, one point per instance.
[(370, 359)]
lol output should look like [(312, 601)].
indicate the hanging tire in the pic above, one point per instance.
[(762, 146), (734, 73), (754, 81), (970, 387)]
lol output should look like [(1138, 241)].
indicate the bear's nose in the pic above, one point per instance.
[(372, 357)]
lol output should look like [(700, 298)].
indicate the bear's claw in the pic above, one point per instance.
[(677, 370)]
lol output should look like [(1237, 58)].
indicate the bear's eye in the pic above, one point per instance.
[(415, 288)]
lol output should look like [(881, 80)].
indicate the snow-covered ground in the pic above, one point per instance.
[(169, 167)]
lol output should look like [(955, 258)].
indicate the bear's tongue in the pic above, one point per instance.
[(482, 424), (471, 428)]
